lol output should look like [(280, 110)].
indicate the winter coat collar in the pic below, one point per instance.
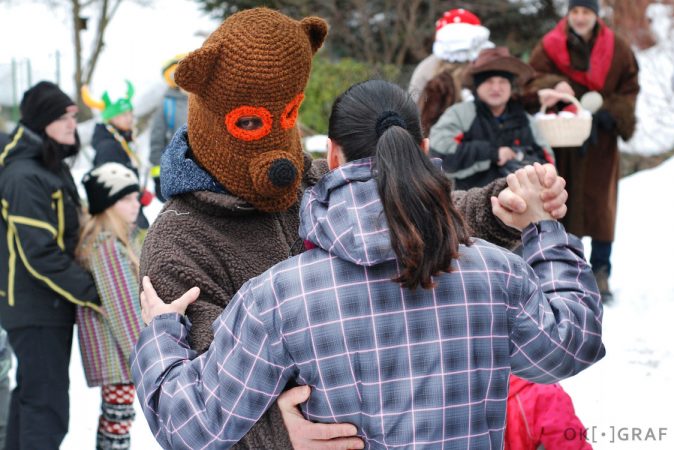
[(554, 44), (104, 131), (514, 112), (181, 174)]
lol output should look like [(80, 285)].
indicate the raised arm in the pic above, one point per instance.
[(494, 223), (556, 319)]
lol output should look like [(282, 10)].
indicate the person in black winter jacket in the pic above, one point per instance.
[(40, 282), (113, 137)]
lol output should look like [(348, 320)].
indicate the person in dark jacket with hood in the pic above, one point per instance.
[(113, 138), (40, 282), (491, 136), (169, 117), (399, 321)]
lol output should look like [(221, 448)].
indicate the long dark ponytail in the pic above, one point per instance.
[(378, 119)]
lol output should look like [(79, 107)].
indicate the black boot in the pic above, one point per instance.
[(601, 275)]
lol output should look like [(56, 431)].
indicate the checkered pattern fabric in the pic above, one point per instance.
[(411, 369), (106, 342)]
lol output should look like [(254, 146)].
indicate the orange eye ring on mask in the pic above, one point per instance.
[(256, 112), (289, 116)]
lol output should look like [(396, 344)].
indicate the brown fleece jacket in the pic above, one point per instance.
[(218, 242)]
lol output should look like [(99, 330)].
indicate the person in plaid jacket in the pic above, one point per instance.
[(399, 322), (108, 248)]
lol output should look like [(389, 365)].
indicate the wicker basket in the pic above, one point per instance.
[(566, 131)]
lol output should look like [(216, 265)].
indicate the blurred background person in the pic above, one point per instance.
[(109, 250), (582, 54), (169, 116), (490, 136), (113, 138), (459, 37)]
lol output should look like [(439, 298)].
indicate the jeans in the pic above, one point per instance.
[(601, 255)]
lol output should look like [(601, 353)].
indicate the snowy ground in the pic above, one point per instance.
[(633, 387)]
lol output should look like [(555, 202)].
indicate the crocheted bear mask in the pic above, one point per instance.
[(246, 85)]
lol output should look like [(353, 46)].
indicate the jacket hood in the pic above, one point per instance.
[(180, 173), (23, 144), (517, 385), (343, 215)]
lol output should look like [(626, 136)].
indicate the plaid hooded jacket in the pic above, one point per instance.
[(408, 368)]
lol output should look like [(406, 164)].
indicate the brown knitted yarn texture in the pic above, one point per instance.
[(255, 64)]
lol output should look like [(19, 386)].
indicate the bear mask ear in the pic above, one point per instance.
[(194, 71), (316, 29)]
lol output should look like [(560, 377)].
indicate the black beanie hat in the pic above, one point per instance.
[(108, 183), (590, 4), (481, 77), (42, 104)]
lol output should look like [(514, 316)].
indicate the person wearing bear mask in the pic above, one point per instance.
[(233, 178)]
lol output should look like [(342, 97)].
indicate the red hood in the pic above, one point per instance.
[(517, 385)]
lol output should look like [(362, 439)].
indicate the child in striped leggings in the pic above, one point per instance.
[(108, 250)]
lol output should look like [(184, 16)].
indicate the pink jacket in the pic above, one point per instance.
[(541, 414)]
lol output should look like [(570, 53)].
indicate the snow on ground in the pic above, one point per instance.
[(632, 388)]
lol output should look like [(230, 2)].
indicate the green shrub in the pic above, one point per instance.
[(329, 79)]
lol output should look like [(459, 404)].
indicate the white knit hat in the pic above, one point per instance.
[(460, 36)]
